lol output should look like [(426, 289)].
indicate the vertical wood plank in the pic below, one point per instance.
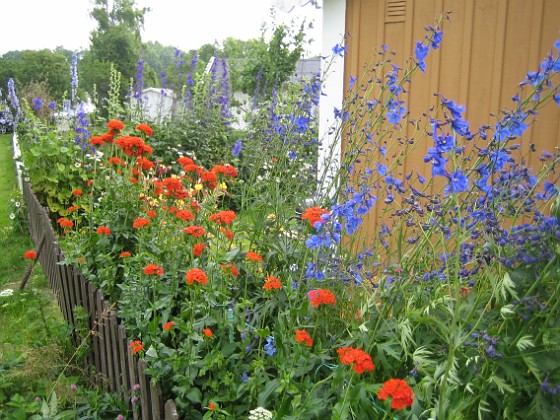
[(145, 401), (102, 337), (126, 383), (115, 356), (108, 345)]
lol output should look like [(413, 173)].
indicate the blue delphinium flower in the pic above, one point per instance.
[(458, 182), (139, 84), (74, 75), (270, 346), (37, 104), (12, 97), (340, 50), (237, 148), (52, 105), (81, 130), (421, 51)]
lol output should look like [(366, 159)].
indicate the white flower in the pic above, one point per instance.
[(12, 216), (259, 413), (7, 292), (18, 204)]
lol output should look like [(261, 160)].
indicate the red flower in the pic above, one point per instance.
[(116, 161), (151, 214), (64, 222), (313, 214), (30, 255), (72, 208), (125, 254), (136, 346), (223, 217), (198, 248), (253, 256), (77, 192), (97, 141), (145, 163), (196, 275), (272, 283), (211, 406), (153, 269), (103, 230), (168, 325), (321, 296), (185, 160), (227, 170), (209, 179), (208, 332), (115, 125), (399, 391), (230, 268), (357, 357), (133, 146), (228, 233), (140, 222), (146, 129), (184, 215), (303, 336), (194, 231)]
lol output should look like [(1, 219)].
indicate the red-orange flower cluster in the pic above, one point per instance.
[(184, 215), (77, 192), (230, 268), (30, 255), (253, 256), (115, 125), (358, 358), (399, 391), (272, 283), (136, 346), (168, 325), (153, 269), (133, 146), (140, 222), (227, 170), (145, 163), (313, 214), (125, 254), (103, 230), (303, 336), (209, 179), (321, 297), (208, 332), (146, 129), (227, 232), (196, 275), (223, 217), (64, 222), (194, 231), (198, 248)]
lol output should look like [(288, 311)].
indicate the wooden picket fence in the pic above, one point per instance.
[(118, 369)]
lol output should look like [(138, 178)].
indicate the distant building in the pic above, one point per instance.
[(157, 103)]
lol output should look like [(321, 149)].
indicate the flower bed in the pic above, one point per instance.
[(449, 310)]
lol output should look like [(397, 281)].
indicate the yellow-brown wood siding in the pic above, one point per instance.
[(487, 49)]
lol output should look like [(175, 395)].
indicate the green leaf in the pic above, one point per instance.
[(269, 388), (195, 395)]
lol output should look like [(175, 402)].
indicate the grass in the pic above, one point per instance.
[(34, 340)]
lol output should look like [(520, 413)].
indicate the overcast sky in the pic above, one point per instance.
[(185, 24)]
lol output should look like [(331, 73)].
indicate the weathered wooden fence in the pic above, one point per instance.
[(118, 369)]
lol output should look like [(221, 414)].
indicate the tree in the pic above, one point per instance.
[(116, 40)]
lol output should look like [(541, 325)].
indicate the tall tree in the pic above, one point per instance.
[(116, 40)]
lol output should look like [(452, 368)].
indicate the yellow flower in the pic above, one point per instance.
[(198, 187), (223, 186)]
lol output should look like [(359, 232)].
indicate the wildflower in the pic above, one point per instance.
[(115, 125), (120, 417), (6, 292), (270, 346), (73, 387), (64, 222), (196, 275), (133, 146), (399, 391), (211, 406), (321, 297), (259, 413), (134, 400), (224, 217), (209, 179), (194, 231), (153, 269), (103, 230), (313, 214), (140, 222), (237, 148), (77, 192), (207, 332), (125, 254), (184, 215), (227, 170), (144, 163), (272, 283), (168, 325), (136, 346), (228, 233), (253, 256), (185, 160), (116, 161), (30, 255), (303, 336), (230, 268), (97, 141), (146, 129), (356, 357), (198, 248)]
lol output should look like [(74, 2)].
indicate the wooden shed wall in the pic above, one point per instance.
[(487, 49)]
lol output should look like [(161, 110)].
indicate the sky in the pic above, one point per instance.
[(185, 24)]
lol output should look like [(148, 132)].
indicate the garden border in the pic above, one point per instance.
[(110, 356)]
